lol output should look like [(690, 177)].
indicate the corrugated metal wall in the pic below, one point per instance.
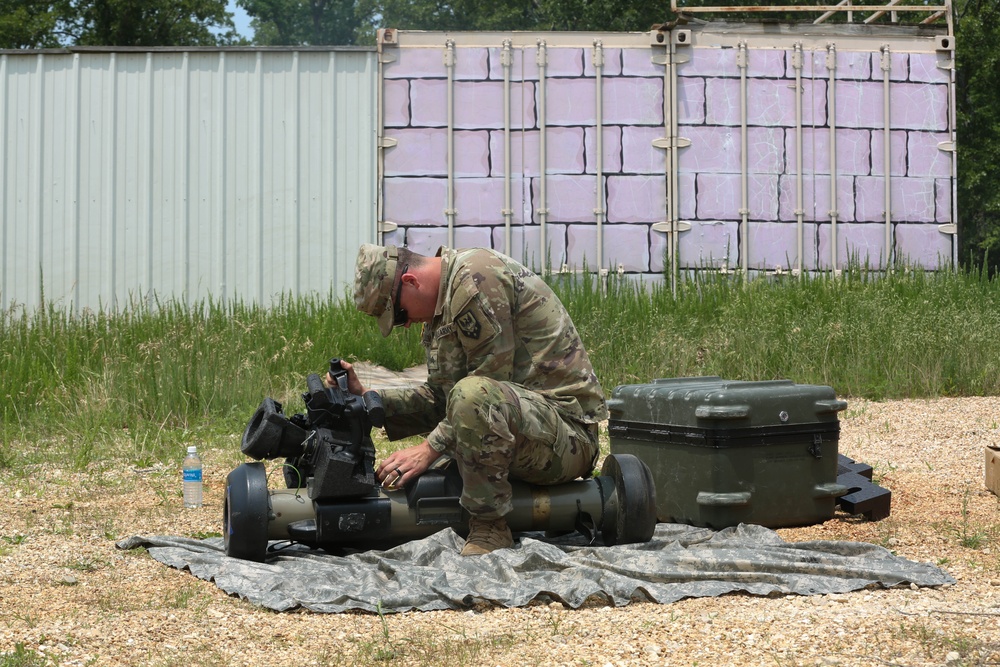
[(169, 174)]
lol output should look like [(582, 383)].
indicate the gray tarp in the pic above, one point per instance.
[(681, 561)]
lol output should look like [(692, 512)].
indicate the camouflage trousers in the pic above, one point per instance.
[(504, 431)]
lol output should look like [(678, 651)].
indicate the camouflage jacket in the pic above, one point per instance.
[(497, 319)]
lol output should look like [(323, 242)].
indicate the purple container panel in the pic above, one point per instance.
[(856, 242), (691, 101), (687, 202), (478, 104), (570, 198), (423, 152), (923, 246), (774, 246), (633, 101), (897, 153), (712, 150), (637, 153), (417, 63), (925, 158), (943, 189), (571, 102), (851, 65), (709, 181), (762, 196), (815, 198), (854, 151), (767, 63), (658, 261), (525, 242), (637, 198), (471, 63), (709, 244), (912, 199), (523, 66), (612, 149), (396, 103), (415, 201), (924, 68), (428, 103), (565, 61), (426, 240), (718, 196), (612, 62), (627, 246), (765, 150), (479, 201), (710, 62), (639, 62), (564, 151), (623, 244)]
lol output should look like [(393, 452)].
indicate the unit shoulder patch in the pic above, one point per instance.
[(469, 324)]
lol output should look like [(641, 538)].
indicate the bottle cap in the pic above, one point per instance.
[(192, 449)]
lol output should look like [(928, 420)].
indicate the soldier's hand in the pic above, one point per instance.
[(405, 465), (353, 382)]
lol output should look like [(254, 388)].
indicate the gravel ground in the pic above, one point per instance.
[(70, 597)]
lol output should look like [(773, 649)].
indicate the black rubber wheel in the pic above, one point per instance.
[(244, 515), (630, 516)]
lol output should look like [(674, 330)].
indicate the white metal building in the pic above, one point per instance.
[(187, 174)]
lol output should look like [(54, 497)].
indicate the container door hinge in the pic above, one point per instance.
[(666, 227), (665, 142)]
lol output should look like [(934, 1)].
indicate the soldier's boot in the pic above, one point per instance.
[(487, 535)]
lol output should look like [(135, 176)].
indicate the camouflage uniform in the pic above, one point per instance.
[(510, 388)]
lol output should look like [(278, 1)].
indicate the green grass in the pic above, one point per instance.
[(22, 657), (150, 379), (908, 335)]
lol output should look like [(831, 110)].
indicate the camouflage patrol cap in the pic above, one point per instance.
[(374, 276)]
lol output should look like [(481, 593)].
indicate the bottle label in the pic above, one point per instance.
[(193, 475)]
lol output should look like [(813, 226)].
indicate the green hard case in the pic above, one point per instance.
[(727, 452)]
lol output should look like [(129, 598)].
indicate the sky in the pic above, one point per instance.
[(241, 19)]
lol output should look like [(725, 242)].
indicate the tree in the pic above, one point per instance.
[(149, 22), (614, 15), (28, 24), (309, 22), (977, 40)]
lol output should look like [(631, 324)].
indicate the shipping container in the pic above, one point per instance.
[(753, 146)]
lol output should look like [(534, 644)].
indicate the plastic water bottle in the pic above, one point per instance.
[(192, 478)]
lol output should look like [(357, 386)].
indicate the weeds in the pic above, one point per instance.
[(969, 537), (142, 383), (22, 657), (934, 643)]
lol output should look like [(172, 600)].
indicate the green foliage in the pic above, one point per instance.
[(616, 15), (53, 23), (907, 335), (22, 657), (162, 374), (147, 23), (977, 30), (312, 22), (150, 379), (28, 24)]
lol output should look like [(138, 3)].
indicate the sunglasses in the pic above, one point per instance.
[(399, 315)]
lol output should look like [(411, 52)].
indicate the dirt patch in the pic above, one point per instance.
[(69, 594)]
